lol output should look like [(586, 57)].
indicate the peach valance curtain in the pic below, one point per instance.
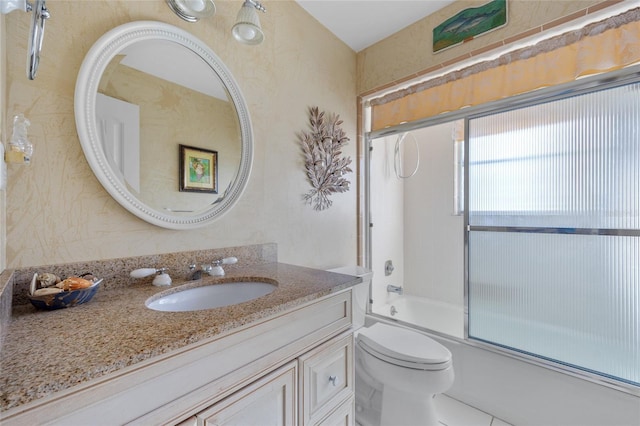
[(600, 47)]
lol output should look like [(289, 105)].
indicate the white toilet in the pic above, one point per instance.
[(398, 371)]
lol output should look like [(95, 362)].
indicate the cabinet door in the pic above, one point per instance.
[(326, 377), (269, 401), (344, 415)]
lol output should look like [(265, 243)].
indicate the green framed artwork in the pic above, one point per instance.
[(198, 170), (469, 23)]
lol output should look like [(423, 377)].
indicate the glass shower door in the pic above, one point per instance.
[(554, 231)]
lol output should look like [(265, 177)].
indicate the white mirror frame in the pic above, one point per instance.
[(91, 70)]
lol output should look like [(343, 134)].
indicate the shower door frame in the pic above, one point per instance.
[(588, 84)]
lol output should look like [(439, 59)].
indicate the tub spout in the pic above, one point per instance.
[(394, 289)]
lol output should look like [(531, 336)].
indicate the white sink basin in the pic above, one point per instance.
[(210, 296)]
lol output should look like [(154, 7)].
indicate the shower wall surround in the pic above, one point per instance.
[(57, 211)]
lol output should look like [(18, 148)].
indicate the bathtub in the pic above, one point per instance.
[(429, 314)]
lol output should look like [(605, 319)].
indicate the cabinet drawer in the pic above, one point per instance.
[(326, 378)]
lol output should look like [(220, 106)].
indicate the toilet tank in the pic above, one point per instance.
[(360, 291)]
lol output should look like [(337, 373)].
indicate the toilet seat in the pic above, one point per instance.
[(403, 347)]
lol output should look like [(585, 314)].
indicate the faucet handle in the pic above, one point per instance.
[(215, 269), (143, 272), (162, 279), (225, 261)]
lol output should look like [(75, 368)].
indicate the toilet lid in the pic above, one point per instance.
[(404, 347)]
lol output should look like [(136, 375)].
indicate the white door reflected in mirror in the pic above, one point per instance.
[(119, 128)]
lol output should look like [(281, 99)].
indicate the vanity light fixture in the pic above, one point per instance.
[(192, 10), (247, 28)]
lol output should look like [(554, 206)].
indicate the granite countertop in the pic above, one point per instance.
[(48, 351)]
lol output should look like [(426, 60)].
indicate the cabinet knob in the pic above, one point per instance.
[(333, 379)]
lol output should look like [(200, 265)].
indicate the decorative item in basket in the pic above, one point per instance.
[(49, 292)]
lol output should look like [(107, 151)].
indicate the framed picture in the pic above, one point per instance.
[(198, 170), (469, 23)]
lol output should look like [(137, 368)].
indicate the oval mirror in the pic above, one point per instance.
[(163, 125)]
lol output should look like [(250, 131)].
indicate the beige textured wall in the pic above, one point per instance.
[(57, 210), (409, 52), (3, 219)]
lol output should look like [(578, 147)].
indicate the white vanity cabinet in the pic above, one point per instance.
[(315, 389), (294, 367)]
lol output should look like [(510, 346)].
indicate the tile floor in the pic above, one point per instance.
[(455, 413)]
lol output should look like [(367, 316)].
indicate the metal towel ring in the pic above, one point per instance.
[(40, 15), (397, 162)]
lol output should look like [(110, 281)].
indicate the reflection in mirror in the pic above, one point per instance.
[(154, 96), (145, 89)]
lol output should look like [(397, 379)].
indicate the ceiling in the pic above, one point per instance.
[(361, 23)]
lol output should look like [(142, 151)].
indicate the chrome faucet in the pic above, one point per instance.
[(394, 289), (195, 273)]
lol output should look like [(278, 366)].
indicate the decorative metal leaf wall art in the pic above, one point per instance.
[(324, 164)]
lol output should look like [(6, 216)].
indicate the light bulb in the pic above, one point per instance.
[(195, 5), (247, 32)]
